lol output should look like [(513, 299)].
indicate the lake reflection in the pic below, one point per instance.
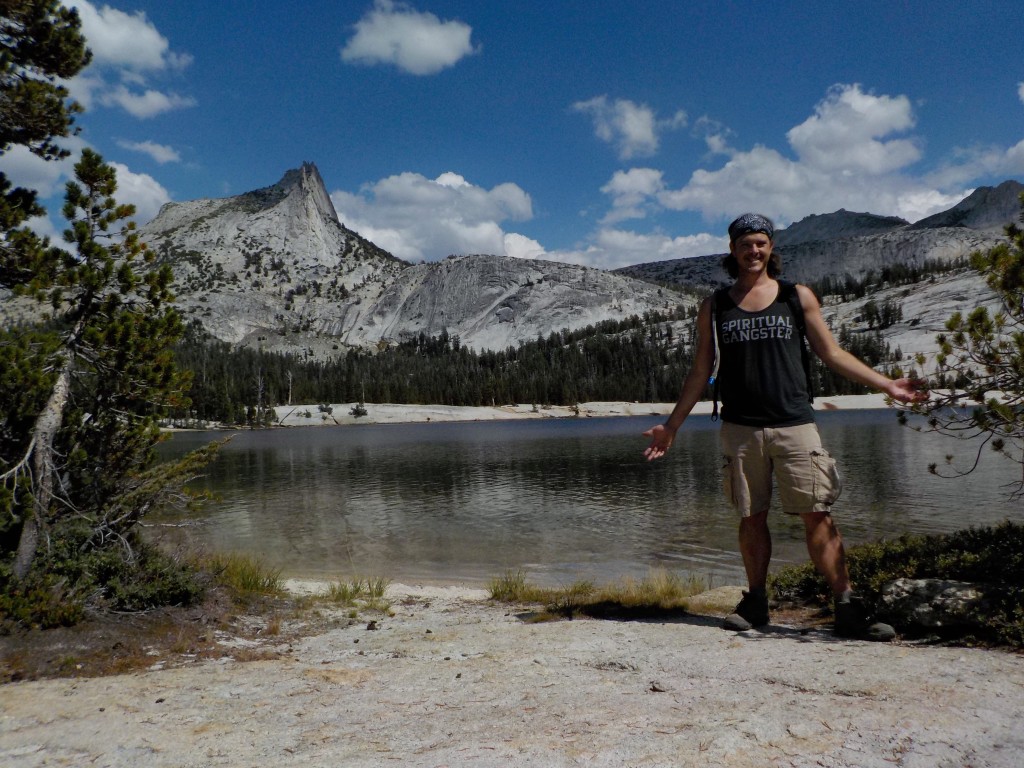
[(562, 499)]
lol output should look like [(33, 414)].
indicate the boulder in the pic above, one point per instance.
[(932, 604)]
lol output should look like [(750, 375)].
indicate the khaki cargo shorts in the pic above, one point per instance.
[(806, 474)]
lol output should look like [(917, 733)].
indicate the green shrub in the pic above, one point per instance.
[(37, 602), (992, 556), (126, 575)]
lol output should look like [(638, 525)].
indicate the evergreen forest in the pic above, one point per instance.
[(643, 359)]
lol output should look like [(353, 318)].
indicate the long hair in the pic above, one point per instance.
[(774, 264)]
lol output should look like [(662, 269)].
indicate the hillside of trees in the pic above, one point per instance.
[(639, 359)]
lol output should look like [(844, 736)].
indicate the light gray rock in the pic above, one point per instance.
[(932, 603), (275, 269), (985, 209), (270, 264), (493, 302)]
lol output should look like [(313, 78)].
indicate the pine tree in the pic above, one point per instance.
[(985, 354), (81, 392), (40, 42), (100, 376)]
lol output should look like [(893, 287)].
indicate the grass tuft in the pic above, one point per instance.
[(246, 576), (512, 587), (368, 594), (660, 592)]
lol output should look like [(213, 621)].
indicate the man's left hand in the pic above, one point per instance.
[(909, 390)]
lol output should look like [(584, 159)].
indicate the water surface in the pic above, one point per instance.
[(561, 499)]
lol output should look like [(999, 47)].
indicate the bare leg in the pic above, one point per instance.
[(825, 546), (756, 548)]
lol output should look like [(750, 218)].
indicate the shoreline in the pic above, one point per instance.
[(339, 414), (395, 413)]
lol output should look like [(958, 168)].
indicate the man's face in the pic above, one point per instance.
[(752, 251)]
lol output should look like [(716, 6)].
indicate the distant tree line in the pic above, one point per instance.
[(849, 288), (638, 359), (869, 347)]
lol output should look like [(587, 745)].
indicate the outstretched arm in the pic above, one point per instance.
[(845, 364), (693, 388)]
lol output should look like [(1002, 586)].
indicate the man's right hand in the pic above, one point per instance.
[(661, 441)]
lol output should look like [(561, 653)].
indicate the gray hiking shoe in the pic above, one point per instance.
[(853, 621), (750, 612)]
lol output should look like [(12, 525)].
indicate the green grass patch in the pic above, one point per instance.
[(245, 576), (368, 594)]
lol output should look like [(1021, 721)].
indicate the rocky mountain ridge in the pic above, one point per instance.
[(274, 268), (272, 262), (844, 243)]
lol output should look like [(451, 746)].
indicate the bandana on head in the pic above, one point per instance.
[(751, 222)]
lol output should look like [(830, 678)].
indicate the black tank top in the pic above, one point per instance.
[(762, 377)]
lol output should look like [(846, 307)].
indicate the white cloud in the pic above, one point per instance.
[(31, 172), (851, 153), (417, 218), (611, 248), (43, 226), (855, 152), (634, 128), (128, 50), (521, 247), (1015, 158), (416, 42), (844, 133), (916, 205), (631, 191), (715, 135), (128, 41), (972, 163), (160, 153), (140, 190), (150, 103), (1020, 91), (48, 179)]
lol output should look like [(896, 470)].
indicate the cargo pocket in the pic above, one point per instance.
[(827, 483), (728, 483)]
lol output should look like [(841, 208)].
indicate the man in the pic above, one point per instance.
[(768, 424)]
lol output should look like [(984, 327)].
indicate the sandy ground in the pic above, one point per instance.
[(452, 679)]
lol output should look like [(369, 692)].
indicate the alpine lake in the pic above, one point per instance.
[(561, 500)]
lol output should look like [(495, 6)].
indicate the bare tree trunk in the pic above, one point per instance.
[(41, 458)]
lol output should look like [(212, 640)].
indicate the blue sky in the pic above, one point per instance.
[(601, 133)]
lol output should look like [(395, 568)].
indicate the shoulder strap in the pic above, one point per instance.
[(713, 381), (788, 293)]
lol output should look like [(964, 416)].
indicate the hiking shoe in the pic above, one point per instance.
[(752, 611), (852, 621)]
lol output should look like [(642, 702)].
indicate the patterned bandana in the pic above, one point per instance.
[(751, 222)]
